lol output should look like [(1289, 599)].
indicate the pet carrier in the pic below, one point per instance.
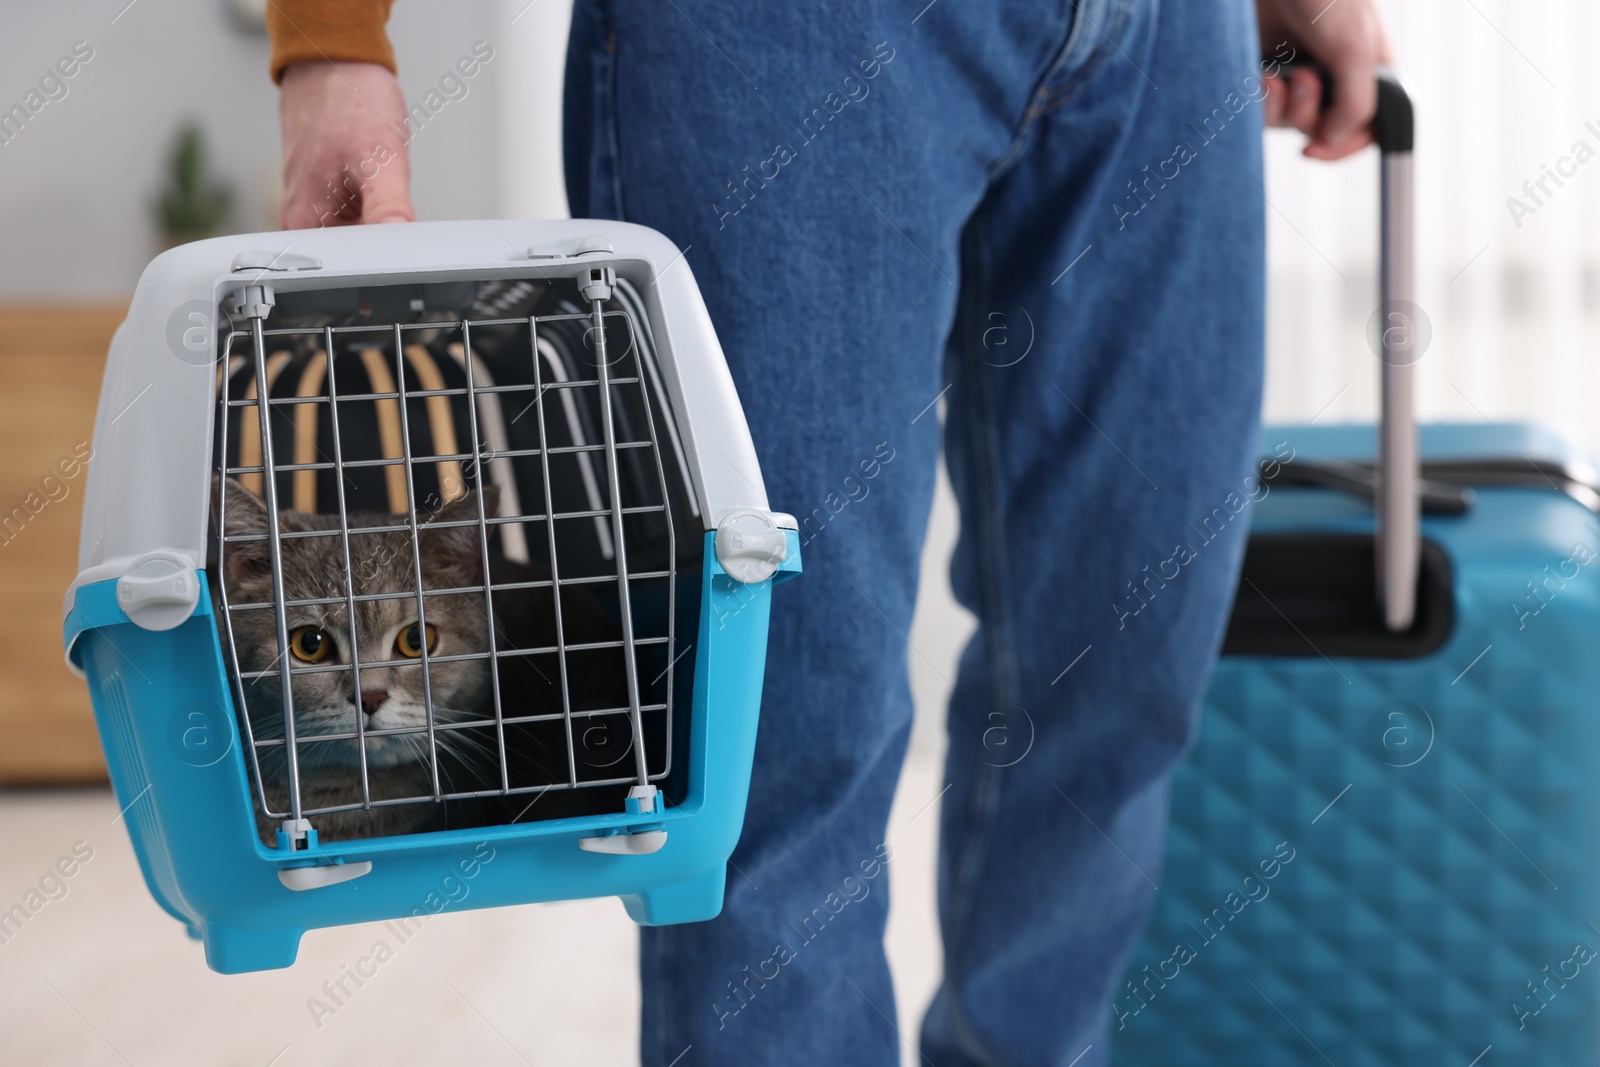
[(423, 567)]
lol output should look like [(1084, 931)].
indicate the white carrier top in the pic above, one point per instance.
[(148, 486)]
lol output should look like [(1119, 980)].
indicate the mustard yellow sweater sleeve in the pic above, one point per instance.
[(311, 30)]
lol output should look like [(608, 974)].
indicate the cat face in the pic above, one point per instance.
[(322, 638)]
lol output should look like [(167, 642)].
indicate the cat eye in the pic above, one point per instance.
[(409, 643), (311, 644)]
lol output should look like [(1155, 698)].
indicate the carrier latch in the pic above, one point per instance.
[(158, 592), (750, 545), (642, 800), (582, 246), (639, 843), (266, 259), (302, 878)]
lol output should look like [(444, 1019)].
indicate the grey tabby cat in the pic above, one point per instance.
[(385, 630)]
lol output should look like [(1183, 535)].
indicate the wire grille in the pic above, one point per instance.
[(456, 533)]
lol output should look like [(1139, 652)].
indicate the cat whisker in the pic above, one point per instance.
[(462, 745)]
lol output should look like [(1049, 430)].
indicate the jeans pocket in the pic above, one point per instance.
[(603, 171), (1093, 23)]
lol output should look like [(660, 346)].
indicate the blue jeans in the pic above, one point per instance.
[(1046, 214)]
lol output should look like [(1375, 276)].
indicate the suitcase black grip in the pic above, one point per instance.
[(1394, 124)]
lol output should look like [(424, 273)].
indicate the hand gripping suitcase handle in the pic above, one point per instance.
[(1399, 540)]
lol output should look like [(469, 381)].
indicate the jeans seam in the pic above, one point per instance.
[(605, 164), (982, 799), (1054, 99), (1020, 131), (1079, 27), (656, 1025), (1045, 98)]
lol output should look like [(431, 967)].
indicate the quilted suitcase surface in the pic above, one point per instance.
[(1384, 853)]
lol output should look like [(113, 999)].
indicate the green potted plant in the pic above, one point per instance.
[(193, 203)]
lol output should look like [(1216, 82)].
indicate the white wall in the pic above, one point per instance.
[(103, 145), (1502, 88), (533, 35)]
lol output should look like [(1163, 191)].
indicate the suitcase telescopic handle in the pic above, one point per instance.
[(1399, 461), (1399, 518)]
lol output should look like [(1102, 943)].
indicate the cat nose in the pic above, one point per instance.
[(371, 698)]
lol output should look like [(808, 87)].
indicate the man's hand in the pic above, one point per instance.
[(344, 146), (1346, 38)]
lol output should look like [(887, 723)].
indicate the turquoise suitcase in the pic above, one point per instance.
[(1390, 858), (1383, 847)]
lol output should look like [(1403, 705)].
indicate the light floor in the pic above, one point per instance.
[(103, 976)]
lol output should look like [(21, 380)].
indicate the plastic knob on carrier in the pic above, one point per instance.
[(158, 592), (750, 545)]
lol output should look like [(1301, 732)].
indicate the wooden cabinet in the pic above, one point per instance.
[(51, 359)]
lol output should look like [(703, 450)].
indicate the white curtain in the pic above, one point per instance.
[(1503, 91)]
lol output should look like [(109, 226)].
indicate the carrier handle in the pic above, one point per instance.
[(1399, 520)]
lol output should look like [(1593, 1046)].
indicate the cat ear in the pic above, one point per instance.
[(457, 551), (245, 515)]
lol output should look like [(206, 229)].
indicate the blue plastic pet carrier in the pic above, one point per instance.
[(423, 556)]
